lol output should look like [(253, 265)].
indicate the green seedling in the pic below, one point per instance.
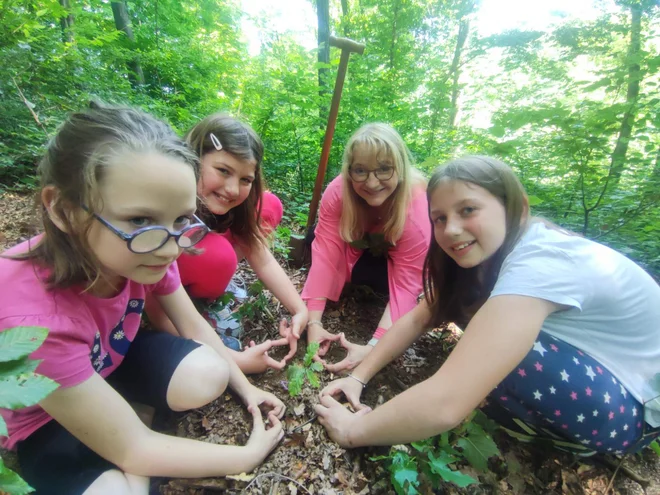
[(298, 373)]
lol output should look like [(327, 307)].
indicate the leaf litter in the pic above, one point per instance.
[(307, 461)]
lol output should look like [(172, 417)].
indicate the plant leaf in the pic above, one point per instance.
[(26, 390), (405, 477), (312, 378), (316, 367), (656, 447), (12, 483), (311, 351), (439, 465), (17, 367), (19, 342), (478, 447), (295, 374)]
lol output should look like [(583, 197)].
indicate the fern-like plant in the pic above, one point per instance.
[(20, 387)]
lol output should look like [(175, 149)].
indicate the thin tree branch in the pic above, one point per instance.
[(27, 104)]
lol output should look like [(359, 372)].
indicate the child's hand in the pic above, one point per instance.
[(299, 322), (263, 440), (356, 353), (337, 420), (255, 358), (350, 387), (287, 332), (255, 397), (316, 333)]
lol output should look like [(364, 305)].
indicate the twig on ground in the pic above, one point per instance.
[(609, 485), (644, 482), (299, 427), (270, 475)]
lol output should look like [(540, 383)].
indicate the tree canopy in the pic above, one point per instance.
[(575, 108)]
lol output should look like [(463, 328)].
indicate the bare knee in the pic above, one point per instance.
[(114, 482), (201, 377)]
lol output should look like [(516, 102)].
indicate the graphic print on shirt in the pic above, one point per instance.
[(99, 357), (118, 340)]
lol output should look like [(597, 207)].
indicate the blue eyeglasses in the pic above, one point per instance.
[(150, 239)]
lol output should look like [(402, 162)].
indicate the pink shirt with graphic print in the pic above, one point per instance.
[(87, 334)]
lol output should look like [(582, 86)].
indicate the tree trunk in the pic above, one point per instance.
[(455, 71), (66, 22), (345, 21), (123, 23), (395, 16), (634, 76), (323, 17)]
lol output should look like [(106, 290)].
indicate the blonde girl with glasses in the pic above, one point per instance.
[(117, 203), (372, 231)]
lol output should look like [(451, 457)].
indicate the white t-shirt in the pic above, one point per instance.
[(614, 313)]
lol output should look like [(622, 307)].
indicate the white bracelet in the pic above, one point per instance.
[(315, 322), (357, 379), (373, 342)]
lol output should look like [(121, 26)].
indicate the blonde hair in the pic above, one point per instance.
[(382, 140)]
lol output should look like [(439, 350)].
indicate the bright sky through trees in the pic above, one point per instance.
[(493, 16)]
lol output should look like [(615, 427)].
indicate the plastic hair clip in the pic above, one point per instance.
[(215, 141)]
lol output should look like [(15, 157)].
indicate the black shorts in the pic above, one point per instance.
[(55, 462)]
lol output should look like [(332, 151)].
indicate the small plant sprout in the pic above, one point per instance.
[(298, 373)]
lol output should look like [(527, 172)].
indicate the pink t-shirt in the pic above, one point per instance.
[(87, 334), (333, 259)]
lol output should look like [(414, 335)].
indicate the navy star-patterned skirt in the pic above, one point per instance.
[(559, 393)]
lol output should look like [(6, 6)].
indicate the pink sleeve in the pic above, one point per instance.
[(168, 284), (406, 260), (328, 272), (65, 354)]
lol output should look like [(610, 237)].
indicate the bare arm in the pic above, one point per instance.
[(275, 279), (492, 345), (190, 324), (100, 418), (402, 334)]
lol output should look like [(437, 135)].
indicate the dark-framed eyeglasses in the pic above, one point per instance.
[(361, 174), (150, 239)]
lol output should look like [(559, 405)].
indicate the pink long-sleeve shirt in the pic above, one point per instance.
[(333, 259)]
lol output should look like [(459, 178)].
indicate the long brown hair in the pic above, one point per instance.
[(75, 163), (241, 141), (453, 293)]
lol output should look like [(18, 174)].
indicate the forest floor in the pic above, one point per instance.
[(307, 461)]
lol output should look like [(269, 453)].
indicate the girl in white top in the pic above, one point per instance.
[(563, 333)]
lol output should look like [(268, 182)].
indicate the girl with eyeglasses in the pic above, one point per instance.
[(240, 214), (372, 230), (117, 202)]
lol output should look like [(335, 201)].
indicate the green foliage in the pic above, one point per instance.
[(433, 461), (655, 446), (256, 304), (298, 373), (550, 102), (20, 387)]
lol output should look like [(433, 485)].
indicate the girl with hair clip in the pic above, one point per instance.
[(372, 231), (240, 214), (562, 337), (118, 199)]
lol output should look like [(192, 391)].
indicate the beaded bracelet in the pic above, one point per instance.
[(350, 375), (314, 322)]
